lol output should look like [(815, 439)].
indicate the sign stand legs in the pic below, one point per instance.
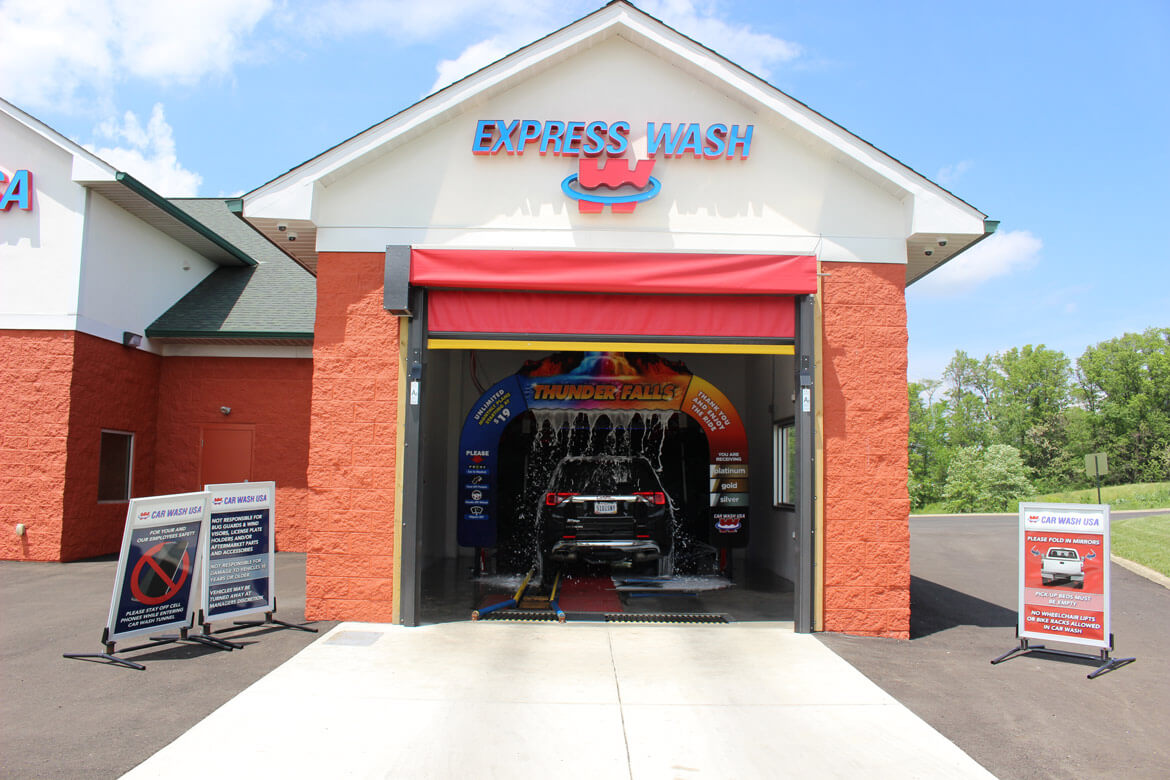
[(109, 654), (203, 639), (268, 620), (155, 641), (1108, 663)]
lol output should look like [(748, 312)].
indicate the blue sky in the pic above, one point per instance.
[(1052, 117)]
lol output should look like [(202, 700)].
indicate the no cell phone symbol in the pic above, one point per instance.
[(161, 572)]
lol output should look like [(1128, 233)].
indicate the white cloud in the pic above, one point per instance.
[(950, 174), (1002, 254), (472, 59), (69, 54), (148, 153), (413, 21), (758, 52), (513, 26)]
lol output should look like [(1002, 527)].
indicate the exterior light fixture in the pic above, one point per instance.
[(225, 410), (928, 252), (131, 339), (942, 242)]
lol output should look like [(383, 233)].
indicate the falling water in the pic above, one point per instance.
[(563, 433)]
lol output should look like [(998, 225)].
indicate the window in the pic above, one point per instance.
[(784, 460), (115, 464)]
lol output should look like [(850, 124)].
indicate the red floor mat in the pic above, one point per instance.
[(589, 594)]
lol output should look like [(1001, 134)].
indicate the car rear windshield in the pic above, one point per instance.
[(605, 476), (1058, 552)]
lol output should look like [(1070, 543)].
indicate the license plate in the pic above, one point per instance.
[(605, 507)]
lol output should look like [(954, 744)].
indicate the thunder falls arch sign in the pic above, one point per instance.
[(606, 408)]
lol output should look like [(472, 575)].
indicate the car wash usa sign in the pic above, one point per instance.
[(1064, 573)]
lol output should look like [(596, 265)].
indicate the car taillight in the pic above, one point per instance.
[(554, 499), (656, 497)]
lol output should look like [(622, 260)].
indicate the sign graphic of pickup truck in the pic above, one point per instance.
[(1062, 563)]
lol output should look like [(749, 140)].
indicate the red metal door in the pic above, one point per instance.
[(226, 454)]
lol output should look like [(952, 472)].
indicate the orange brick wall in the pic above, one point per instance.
[(352, 477), (272, 394), (36, 370), (866, 427), (116, 388)]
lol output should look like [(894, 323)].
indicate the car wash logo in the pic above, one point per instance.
[(610, 180)]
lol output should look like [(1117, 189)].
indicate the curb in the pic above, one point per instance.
[(1155, 577)]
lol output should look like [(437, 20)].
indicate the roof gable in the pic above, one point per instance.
[(122, 189), (932, 212)]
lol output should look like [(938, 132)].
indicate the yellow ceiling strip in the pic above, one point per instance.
[(614, 346)]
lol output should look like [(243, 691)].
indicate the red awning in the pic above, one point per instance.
[(697, 316), (614, 272)]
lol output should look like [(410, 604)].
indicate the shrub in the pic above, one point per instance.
[(986, 480)]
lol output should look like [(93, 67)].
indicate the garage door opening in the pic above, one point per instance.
[(619, 506)]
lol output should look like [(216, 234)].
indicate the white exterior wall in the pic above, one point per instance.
[(793, 194), (77, 261), (40, 249), (131, 273)]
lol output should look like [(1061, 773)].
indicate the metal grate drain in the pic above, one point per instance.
[(665, 617), (521, 615)]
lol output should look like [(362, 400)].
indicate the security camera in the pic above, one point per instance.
[(292, 236), (281, 227), (942, 242), (928, 252), (225, 410)]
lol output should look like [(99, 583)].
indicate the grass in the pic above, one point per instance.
[(1141, 495), (1144, 540)]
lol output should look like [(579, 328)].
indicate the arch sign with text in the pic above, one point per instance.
[(594, 382)]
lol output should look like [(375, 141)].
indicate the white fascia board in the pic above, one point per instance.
[(88, 169), (851, 249), (237, 351), (293, 201), (932, 214)]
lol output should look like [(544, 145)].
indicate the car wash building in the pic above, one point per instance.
[(610, 309)]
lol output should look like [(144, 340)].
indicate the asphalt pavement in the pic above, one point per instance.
[(1033, 716), (64, 718)]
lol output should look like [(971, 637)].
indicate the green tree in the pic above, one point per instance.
[(1027, 408), (1125, 385), (929, 454), (969, 387)]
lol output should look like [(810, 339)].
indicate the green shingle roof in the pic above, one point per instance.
[(275, 299)]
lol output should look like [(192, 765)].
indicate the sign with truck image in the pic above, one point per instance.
[(1064, 573)]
